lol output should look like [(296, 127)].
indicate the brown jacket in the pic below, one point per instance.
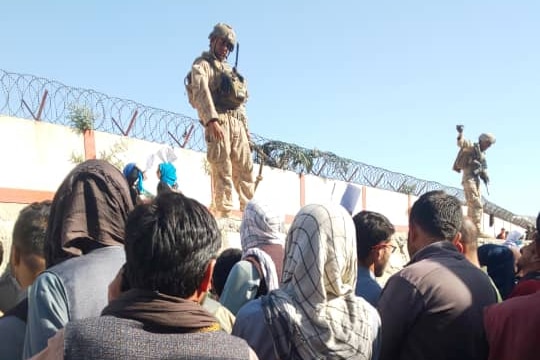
[(432, 309)]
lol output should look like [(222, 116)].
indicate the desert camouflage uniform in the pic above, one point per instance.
[(471, 181), (230, 160)]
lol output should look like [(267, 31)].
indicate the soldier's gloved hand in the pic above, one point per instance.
[(484, 177), (459, 128)]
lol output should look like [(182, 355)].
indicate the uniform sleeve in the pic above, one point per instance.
[(47, 312), (241, 286), (399, 305), (463, 143), (200, 80)]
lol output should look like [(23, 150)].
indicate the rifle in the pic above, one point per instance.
[(479, 172)]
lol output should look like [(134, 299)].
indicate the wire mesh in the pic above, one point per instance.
[(31, 97)]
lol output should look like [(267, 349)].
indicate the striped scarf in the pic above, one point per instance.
[(260, 228), (315, 314)]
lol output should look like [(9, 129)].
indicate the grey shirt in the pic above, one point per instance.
[(432, 309)]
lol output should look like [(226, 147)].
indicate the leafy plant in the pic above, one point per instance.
[(81, 117), (110, 155)]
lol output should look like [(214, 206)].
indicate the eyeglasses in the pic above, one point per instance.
[(392, 247)]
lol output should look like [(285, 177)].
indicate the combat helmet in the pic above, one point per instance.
[(224, 31)]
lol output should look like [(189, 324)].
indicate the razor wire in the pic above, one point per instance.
[(31, 97)]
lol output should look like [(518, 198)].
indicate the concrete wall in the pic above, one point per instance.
[(38, 155)]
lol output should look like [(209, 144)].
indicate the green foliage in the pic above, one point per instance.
[(81, 118), (288, 156), (110, 155), (407, 189)]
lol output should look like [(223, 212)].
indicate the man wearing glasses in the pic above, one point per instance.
[(374, 247)]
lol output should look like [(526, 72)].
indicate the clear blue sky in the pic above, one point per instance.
[(381, 82)]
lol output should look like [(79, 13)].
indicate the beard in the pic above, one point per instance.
[(378, 271)]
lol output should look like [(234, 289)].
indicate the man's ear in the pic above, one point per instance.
[(206, 283), (457, 242), (15, 258)]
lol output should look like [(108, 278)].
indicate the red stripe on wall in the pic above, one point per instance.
[(24, 196)]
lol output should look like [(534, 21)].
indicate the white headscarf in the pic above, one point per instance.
[(513, 239), (315, 313), (261, 226)]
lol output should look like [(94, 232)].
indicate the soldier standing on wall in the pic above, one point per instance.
[(218, 93), (471, 159)]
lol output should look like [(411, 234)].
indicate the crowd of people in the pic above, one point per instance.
[(113, 277), (106, 270)]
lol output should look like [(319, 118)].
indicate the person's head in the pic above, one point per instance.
[(373, 240), (222, 41), (224, 263), (27, 251), (503, 231), (171, 245), (435, 216), (468, 242), (261, 225), (485, 140), (529, 260), (320, 254), (167, 173), (89, 210), (134, 177)]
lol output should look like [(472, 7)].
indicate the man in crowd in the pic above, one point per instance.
[(219, 93), (426, 307), (472, 160), (171, 246), (27, 261), (468, 243), (374, 247), (512, 326), (528, 271)]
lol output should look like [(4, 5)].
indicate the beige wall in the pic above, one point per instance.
[(36, 156)]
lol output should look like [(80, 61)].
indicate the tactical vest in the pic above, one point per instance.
[(466, 157), (231, 89)]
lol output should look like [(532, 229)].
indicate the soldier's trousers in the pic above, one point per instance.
[(230, 164), (471, 188)]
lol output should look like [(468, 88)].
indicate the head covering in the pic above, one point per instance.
[(224, 31), (89, 210), (261, 238), (167, 173), (315, 313), (487, 137), (513, 239), (128, 170)]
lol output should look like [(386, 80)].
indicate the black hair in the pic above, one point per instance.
[(372, 228), (30, 228), (224, 263), (132, 178), (1, 252), (438, 214), (169, 244)]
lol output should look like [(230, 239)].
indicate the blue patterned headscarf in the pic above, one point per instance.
[(128, 169), (168, 173)]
